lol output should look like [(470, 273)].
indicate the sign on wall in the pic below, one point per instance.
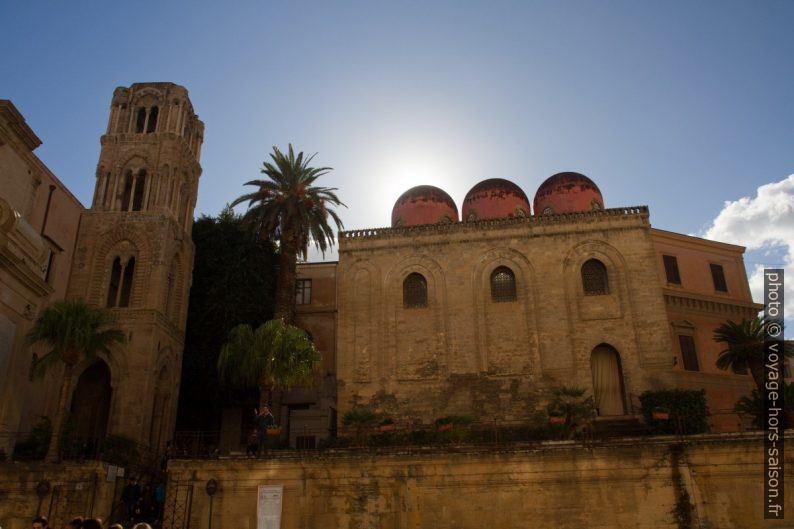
[(268, 506)]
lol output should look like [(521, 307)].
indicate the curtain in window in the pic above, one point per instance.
[(607, 381)]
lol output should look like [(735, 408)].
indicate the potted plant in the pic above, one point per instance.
[(387, 425), (445, 424), (361, 419), (571, 410), (660, 413), (273, 431)]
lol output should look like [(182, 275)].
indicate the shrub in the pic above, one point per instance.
[(35, 446), (571, 404), (361, 418), (688, 410), (755, 406)]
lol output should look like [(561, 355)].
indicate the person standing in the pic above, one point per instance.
[(40, 522), (129, 496), (264, 420)]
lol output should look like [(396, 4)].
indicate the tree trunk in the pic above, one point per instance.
[(54, 450), (757, 371), (285, 288), (264, 392)]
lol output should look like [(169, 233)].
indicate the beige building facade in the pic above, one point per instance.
[(39, 219), (488, 315)]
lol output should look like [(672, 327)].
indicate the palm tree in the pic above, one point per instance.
[(745, 348), (274, 356), (288, 207), (72, 330)]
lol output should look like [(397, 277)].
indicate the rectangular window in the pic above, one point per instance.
[(48, 274), (303, 291), (671, 269), (688, 352), (718, 275)]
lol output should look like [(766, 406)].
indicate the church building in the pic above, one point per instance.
[(487, 312)]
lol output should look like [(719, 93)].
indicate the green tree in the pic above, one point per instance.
[(272, 357), (233, 283), (290, 209), (73, 331), (744, 348)]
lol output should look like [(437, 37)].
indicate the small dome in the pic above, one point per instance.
[(423, 205), (567, 193), (495, 198)]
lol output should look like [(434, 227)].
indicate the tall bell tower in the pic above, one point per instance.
[(135, 257)]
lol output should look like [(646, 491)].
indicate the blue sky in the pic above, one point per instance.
[(679, 105)]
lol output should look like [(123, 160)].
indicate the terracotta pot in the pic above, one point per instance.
[(660, 415), (273, 432), (556, 420), (445, 427), (383, 428)]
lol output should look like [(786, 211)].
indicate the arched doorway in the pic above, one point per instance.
[(607, 381), (91, 404)]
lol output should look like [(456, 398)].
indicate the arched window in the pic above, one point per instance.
[(115, 281), (414, 291), (126, 283), (594, 278), (127, 193), (140, 185), (140, 120), (151, 126), (120, 287), (503, 285)]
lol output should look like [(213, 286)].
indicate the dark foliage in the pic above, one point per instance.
[(233, 283), (687, 409)]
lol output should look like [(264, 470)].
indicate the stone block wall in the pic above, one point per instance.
[(715, 481), (76, 489)]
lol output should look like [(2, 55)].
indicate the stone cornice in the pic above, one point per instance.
[(697, 242), (16, 122), (564, 220), (682, 301)]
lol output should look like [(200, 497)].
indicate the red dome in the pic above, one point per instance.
[(566, 193), (423, 205), (495, 199)]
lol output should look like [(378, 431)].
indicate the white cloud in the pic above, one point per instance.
[(764, 223)]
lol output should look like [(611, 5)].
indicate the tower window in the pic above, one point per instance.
[(140, 120), (126, 284), (503, 285), (152, 124), (303, 291), (115, 280), (718, 276), (671, 269), (594, 278), (120, 287), (414, 291), (688, 352), (127, 193), (140, 185)]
